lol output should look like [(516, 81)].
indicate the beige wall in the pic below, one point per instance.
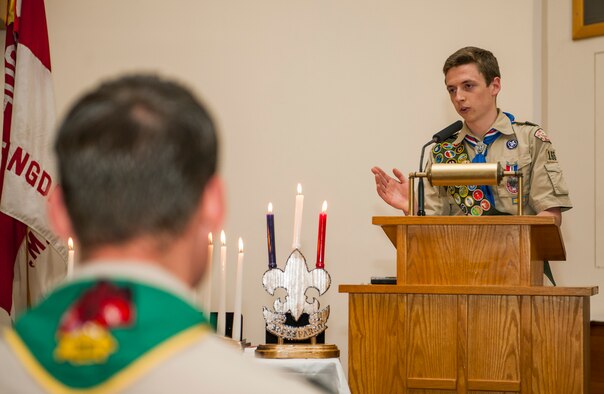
[(570, 117), (317, 92)]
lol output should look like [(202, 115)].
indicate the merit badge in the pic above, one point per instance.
[(464, 209), (478, 195), (438, 158), (84, 333), (459, 149), (463, 191), (551, 156), (476, 210), (451, 161), (472, 188), (512, 181), (437, 148), (450, 190), (469, 201), (541, 135), (447, 145), (462, 157), (485, 205), (457, 198), (449, 154), (512, 144)]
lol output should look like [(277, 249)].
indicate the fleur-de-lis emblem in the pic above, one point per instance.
[(296, 279)]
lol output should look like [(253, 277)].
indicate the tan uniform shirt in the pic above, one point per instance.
[(206, 366), (521, 146)]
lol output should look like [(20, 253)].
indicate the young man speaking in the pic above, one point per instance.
[(489, 135)]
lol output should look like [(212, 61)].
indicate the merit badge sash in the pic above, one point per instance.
[(470, 199), (102, 335)]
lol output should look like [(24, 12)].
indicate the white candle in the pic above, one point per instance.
[(221, 321), (238, 294), (298, 218), (208, 279), (70, 258)]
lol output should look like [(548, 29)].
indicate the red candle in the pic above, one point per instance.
[(321, 238)]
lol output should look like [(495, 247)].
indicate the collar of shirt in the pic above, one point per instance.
[(137, 271), (502, 123)]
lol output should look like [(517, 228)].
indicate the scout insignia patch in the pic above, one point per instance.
[(541, 135), (84, 335), (512, 144), (551, 156)]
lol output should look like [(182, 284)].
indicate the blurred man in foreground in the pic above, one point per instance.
[(139, 192)]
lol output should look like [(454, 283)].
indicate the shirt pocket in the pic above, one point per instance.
[(509, 186), (554, 172)]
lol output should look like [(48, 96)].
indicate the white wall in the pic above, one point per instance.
[(308, 91), (570, 116)]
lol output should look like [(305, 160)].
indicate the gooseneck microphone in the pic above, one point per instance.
[(439, 137)]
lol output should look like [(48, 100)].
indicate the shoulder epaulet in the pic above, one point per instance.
[(525, 123)]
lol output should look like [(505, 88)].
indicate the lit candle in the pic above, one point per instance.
[(221, 321), (208, 280), (270, 237), (321, 238), (238, 294), (298, 218), (70, 258)]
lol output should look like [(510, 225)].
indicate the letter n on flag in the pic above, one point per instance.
[(32, 258)]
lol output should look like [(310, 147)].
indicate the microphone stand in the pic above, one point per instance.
[(442, 135), (420, 185)]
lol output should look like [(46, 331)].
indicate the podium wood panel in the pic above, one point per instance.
[(422, 342), (494, 339), (374, 320), (461, 250)]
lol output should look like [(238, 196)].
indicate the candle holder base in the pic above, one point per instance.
[(232, 342), (291, 351)]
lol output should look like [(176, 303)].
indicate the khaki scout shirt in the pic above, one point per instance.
[(522, 146)]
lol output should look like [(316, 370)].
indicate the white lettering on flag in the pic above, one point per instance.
[(28, 172)]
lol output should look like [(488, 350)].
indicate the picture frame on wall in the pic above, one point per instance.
[(588, 18)]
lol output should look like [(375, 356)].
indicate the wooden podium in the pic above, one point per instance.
[(469, 312)]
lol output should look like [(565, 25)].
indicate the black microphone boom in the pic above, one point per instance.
[(439, 137), (447, 132)]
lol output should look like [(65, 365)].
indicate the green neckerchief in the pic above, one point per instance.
[(90, 332)]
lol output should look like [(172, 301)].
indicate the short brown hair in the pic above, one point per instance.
[(484, 60), (134, 157)]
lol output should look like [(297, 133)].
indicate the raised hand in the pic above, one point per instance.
[(394, 191)]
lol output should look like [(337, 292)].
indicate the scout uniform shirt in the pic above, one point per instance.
[(127, 327), (521, 146)]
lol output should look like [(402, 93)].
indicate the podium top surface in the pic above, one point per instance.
[(546, 235), (464, 220)]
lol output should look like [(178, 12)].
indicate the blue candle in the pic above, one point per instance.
[(270, 237)]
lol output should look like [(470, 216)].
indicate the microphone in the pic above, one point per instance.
[(439, 137), (447, 132)]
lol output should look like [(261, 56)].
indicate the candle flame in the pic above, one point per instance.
[(299, 188), (210, 239), (240, 245), (70, 243), (222, 238), (324, 208), (270, 207)]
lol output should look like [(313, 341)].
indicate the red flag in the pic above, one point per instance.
[(32, 258)]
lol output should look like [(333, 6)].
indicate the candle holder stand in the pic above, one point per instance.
[(296, 279)]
